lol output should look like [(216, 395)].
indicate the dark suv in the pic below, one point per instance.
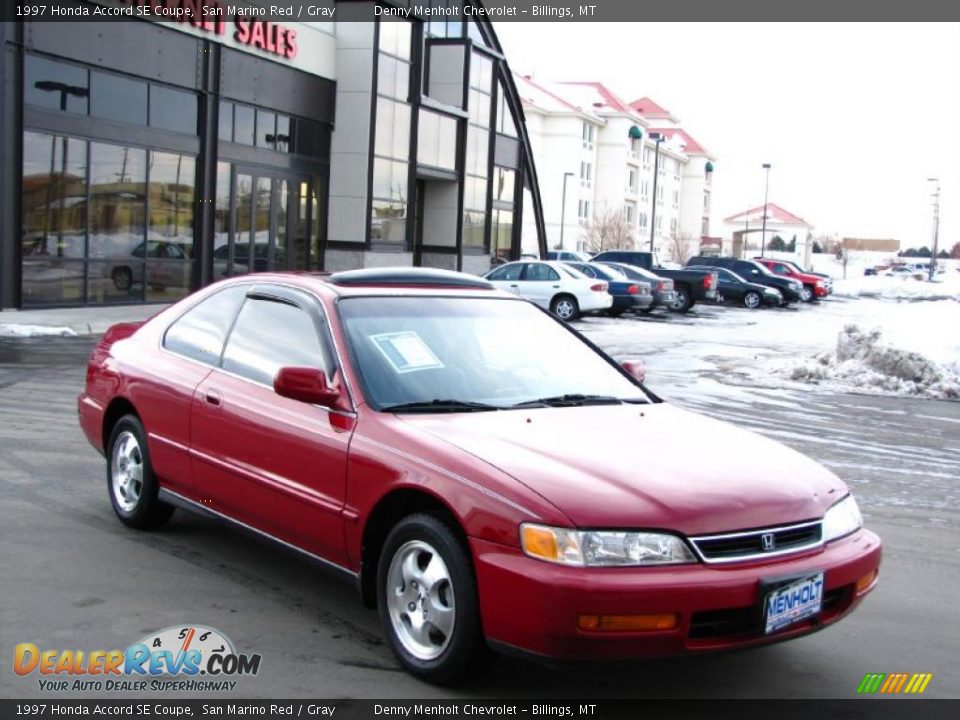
[(792, 290)]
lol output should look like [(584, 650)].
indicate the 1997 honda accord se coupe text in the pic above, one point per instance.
[(487, 476)]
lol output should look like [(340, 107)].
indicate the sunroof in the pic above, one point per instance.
[(409, 276)]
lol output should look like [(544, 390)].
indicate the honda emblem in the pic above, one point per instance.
[(768, 541)]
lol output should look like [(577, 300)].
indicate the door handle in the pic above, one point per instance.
[(514, 286), (212, 397), (556, 286)]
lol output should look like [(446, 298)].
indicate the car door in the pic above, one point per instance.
[(507, 277), (276, 464), (539, 283)]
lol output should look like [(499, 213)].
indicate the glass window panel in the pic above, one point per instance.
[(502, 233), (171, 195), (283, 133), (221, 221), (473, 32), (117, 192), (504, 185), (54, 196), (168, 281), (505, 122), (266, 129), (55, 85), (390, 180), (299, 242), (393, 129), (118, 98), (395, 38), (481, 72), (243, 120), (279, 254), (119, 280), (393, 77), (474, 222), (270, 335), (200, 332), (388, 222), (52, 281), (174, 110), (474, 192), (261, 229), (225, 128), (477, 151), (437, 140), (479, 108), (244, 224)]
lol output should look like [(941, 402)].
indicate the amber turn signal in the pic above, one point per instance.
[(866, 581), (629, 623)]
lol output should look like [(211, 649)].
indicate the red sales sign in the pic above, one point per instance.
[(212, 16)]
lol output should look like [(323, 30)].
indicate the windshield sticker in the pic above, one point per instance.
[(406, 351)]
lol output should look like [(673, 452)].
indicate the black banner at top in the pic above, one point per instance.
[(198, 11)]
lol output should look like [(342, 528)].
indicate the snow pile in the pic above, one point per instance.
[(862, 361), (895, 288), (14, 330)]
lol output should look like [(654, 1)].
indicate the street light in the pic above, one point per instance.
[(766, 194), (936, 227), (563, 208), (658, 138)]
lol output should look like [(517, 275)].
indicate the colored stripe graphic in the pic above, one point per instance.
[(894, 683)]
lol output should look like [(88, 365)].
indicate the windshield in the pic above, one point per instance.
[(498, 353)]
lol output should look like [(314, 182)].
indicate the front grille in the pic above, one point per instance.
[(752, 544), (749, 620)]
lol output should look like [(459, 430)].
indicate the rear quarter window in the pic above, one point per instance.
[(200, 332)]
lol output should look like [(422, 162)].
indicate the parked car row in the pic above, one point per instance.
[(571, 284)]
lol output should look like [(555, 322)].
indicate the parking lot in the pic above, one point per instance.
[(74, 577)]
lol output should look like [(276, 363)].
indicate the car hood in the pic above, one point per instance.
[(644, 466)]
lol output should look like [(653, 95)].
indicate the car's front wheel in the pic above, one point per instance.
[(427, 599), (807, 294), (130, 480)]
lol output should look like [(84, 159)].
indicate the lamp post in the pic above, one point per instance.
[(657, 138), (936, 228), (766, 194), (65, 92), (563, 208)]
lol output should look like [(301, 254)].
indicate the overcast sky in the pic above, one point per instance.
[(853, 118)]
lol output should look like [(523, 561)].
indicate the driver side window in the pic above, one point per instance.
[(270, 334), (538, 272)]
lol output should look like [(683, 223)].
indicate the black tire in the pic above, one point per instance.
[(122, 278), (809, 294), (147, 511), (683, 303), (464, 649), (565, 307), (752, 300)]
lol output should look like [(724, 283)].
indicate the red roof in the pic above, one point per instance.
[(529, 80), (692, 146), (773, 212), (610, 98), (645, 107)]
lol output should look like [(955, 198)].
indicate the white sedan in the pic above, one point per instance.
[(561, 289)]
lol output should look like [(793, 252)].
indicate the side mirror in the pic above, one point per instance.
[(309, 385), (635, 369)]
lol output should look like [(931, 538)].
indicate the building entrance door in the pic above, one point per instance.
[(271, 214)]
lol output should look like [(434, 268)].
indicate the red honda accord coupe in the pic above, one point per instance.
[(487, 476)]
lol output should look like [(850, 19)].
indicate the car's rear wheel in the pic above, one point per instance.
[(565, 307), (682, 303), (807, 294), (427, 599), (131, 483), (752, 300)]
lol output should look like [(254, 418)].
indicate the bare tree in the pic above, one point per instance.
[(680, 247), (609, 231)]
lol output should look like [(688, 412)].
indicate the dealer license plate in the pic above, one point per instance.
[(791, 603)]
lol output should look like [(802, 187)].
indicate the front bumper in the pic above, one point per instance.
[(821, 291), (534, 606)]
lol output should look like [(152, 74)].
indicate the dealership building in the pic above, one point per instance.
[(142, 159)]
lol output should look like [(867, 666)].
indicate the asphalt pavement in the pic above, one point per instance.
[(73, 577)]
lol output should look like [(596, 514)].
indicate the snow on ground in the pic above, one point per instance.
[(18, 330), (777, 353), (945, 287)]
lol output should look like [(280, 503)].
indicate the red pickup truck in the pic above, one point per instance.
[(815, 286)]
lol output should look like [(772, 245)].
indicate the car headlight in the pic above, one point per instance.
[(841, 519), (602, 548)]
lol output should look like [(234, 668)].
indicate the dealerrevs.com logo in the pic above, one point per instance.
[(180, 658)]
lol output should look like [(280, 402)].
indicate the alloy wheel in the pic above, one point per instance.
[(420, 600), (126, 471)]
